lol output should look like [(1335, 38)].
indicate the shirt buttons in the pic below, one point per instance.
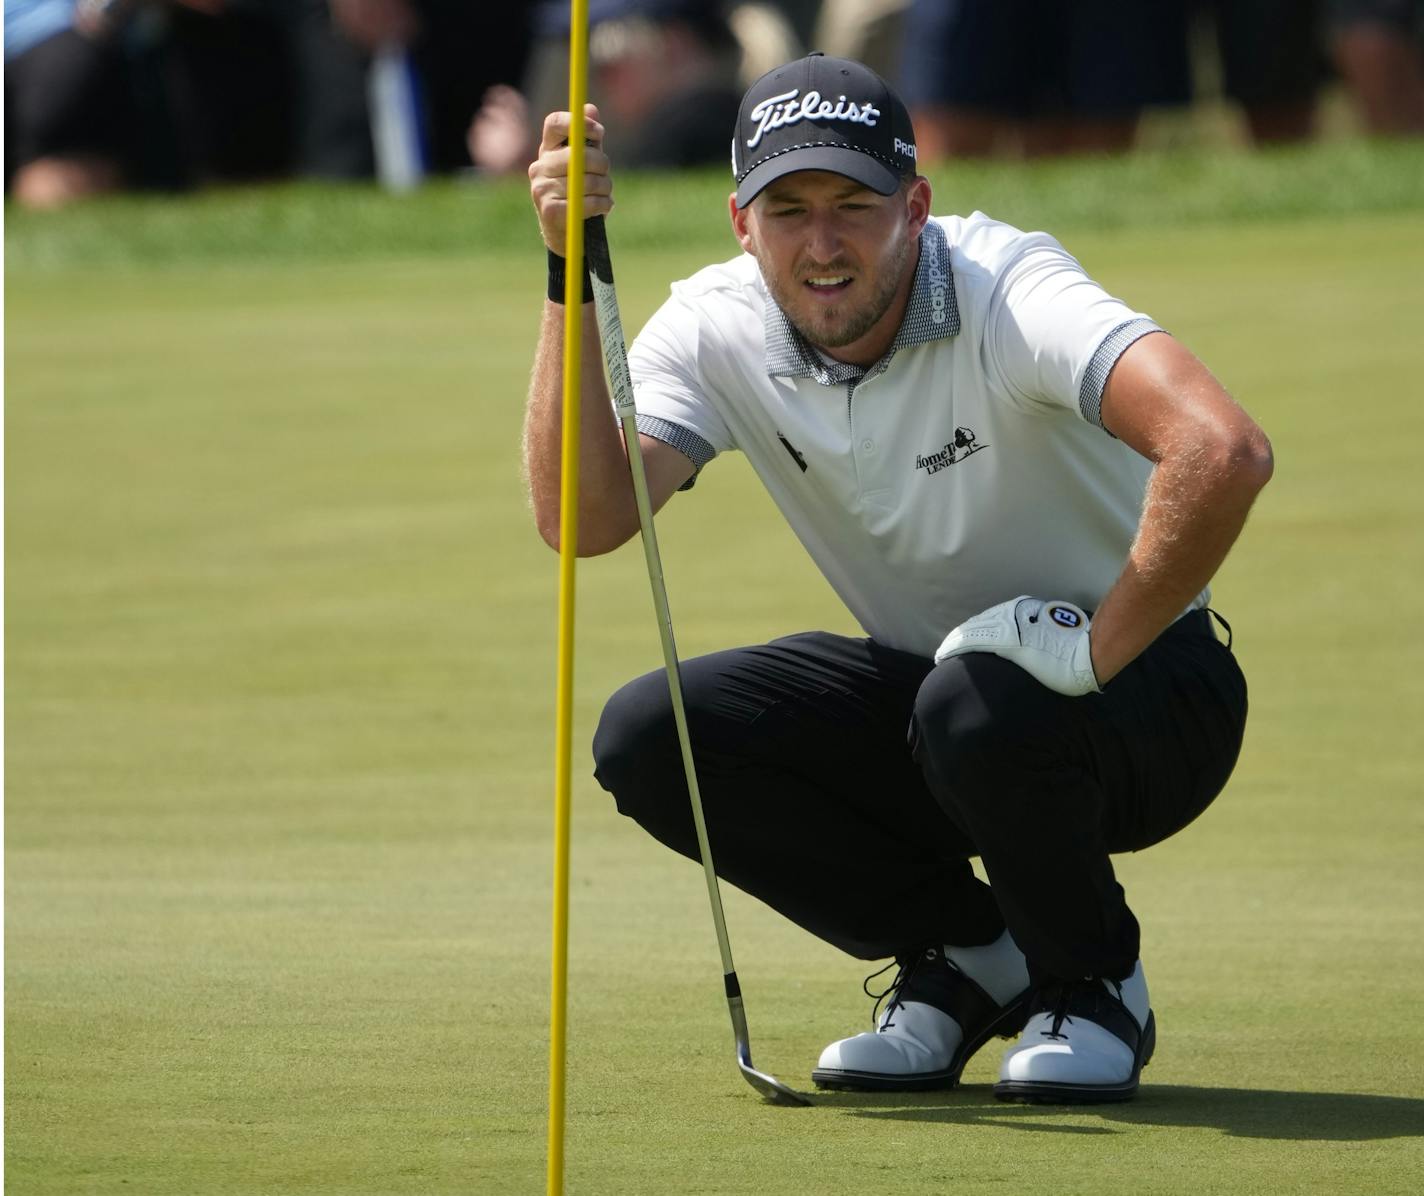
[(867, 446)]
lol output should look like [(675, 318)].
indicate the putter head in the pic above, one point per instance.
[(770, 1087)]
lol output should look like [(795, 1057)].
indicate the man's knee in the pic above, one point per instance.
[(976, 715), (633, 745)]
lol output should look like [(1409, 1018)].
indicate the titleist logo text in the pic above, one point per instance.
[(775, 112)]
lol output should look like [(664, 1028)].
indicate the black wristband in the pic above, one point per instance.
[(556, 279)]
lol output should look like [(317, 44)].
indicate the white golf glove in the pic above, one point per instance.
[(1047, 639)]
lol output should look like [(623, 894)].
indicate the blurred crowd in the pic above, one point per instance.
[(169, 94)]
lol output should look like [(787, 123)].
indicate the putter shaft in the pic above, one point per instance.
[(615, 355)]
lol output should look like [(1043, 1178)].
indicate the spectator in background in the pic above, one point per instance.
[(175, 93), (498, 138), (1055, 76), (223, 74), (457, 50), (666, 70), (1378, 48), (1270, 64), (66, 102), (869, 31), (1042, 76), (769, 33), (142, 93)]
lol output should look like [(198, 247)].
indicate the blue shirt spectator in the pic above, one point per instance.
[(30, 22)]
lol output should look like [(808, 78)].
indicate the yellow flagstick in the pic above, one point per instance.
[(568, 543)]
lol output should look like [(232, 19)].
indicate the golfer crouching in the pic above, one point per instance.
[(1020, 487)]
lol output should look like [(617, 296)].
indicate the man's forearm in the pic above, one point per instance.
[(1196, 505), (607, 514)]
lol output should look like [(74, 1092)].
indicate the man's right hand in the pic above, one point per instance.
[(549, 176)]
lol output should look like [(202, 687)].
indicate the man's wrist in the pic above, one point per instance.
[(558, 278), (1098, 658)]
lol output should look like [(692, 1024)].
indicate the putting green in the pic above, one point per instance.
[(279, 715)]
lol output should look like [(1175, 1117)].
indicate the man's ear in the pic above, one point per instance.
[(917, 205), (741, 220)]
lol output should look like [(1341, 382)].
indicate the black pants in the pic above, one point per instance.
[(847, 785)]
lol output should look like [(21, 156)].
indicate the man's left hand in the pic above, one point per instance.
[(1046, 638)]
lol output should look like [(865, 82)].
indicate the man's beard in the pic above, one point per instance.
[(847, 327)]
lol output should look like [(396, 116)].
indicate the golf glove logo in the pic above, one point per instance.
[(1047, 639)]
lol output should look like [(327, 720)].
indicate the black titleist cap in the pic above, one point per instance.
[(820, 113)]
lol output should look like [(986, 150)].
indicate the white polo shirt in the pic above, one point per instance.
[(967, 466)]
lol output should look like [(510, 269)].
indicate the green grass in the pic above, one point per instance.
[(279, 697), (329, 223)]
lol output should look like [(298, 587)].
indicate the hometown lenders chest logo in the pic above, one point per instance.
[(963, 445)]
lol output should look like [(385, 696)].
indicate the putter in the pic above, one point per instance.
[(615, 356)]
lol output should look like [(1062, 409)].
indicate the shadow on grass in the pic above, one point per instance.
[(1240, 1112)]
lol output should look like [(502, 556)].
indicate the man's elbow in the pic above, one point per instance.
[(1244, 460), (592, 541), (1256, 459)]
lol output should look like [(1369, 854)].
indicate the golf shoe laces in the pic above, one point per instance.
[(1059, 995), (907, 968), (892, 991)]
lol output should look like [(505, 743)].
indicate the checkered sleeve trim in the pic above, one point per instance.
[(686, 441), (1115, 344)]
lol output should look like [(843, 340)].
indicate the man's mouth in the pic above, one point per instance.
[(828, 284)]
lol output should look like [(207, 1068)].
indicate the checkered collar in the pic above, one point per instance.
[(789, 355)]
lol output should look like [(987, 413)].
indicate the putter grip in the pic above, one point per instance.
[(595, 241), (610, 324)]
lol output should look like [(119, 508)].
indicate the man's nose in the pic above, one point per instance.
[(823, 237)]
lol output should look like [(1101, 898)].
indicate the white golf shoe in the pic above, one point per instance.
[(1085, 1041), (938, 1017)]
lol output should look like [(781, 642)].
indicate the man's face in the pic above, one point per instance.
[(837, 257)]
